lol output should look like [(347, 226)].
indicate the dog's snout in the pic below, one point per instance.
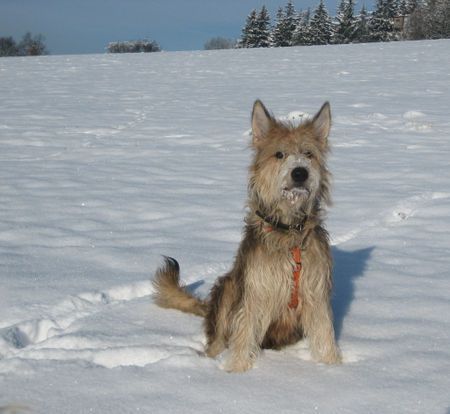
[(299, 175)]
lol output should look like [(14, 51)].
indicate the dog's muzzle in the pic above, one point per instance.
[(298, 189)]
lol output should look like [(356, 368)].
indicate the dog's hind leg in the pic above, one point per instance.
[(218, 317)]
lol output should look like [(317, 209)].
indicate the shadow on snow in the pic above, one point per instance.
[(348, 266)]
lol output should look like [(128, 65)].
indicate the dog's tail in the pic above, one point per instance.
[(169, 293)]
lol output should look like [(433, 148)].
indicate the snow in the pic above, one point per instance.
[(107, 162)]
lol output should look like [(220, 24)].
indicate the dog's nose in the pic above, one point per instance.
[(299, 175)]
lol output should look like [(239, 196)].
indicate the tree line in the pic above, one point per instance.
[(391, 20), (28, 46), (136, 46)]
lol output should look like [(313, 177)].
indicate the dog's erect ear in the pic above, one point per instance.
[(261, 121), (322, 123)]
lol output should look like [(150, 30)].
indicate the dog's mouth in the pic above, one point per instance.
[(293, 194)]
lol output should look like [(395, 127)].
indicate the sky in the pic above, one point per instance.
[(87, 26)]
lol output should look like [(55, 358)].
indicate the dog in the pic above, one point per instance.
[(279, 288)]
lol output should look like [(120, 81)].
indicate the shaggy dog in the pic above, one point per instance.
[(280, 285)]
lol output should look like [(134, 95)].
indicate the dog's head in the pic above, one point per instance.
[(288, 176)]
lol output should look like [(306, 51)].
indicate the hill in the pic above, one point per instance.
[(109, 161)]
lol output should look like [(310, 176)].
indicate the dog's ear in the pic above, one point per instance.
[(322, 123), (261, 121)]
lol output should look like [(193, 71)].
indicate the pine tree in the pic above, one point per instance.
[(263, 27), (402, 8), (301, 34), (289, 23), (362, 26), (346, 23), (256, 32), (276, 38), (381, 26), (284, 26), (249, 31), (321, 28)]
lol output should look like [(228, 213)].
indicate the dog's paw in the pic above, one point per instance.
[(333, 357), (238, 365), (214, 349)]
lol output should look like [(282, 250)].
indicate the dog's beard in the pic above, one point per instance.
[(295, 196)]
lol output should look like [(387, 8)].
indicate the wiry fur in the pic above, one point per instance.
[(248, 308), (169, 292)]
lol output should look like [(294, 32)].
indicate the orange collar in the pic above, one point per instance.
[(296, 276)]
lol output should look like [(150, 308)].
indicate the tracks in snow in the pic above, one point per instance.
[(63, 333), (401, 211)]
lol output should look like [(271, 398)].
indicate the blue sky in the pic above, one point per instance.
[(87, 26)]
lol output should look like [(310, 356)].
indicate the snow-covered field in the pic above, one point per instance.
[(108, 161)]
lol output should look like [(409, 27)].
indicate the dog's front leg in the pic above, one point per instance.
[(246, 336), (317, 321)]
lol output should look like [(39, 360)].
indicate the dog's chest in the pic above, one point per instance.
[(269, 274)]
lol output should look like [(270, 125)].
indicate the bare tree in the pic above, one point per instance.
[(220, 43), (32, 46), (138, 46), (8, 46), (429, 21), (28, 46)]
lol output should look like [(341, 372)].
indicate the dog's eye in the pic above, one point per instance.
[(279, 155), (308, 154)]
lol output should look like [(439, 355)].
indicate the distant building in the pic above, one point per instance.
[(399, 22)]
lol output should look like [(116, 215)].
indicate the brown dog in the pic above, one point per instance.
[(280, 285)]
